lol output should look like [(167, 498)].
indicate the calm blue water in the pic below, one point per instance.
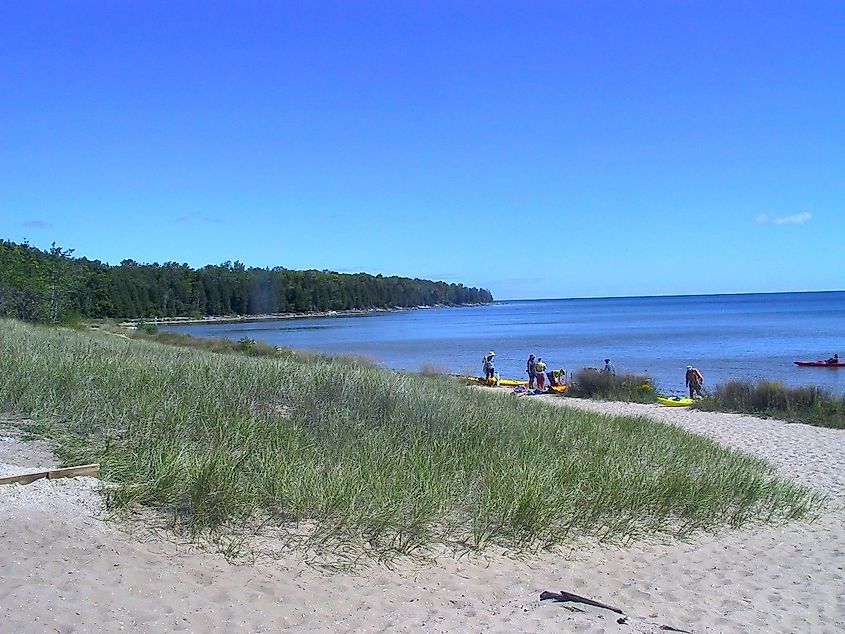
[(727, 336)]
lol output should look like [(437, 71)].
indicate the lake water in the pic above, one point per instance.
[(755, 336)]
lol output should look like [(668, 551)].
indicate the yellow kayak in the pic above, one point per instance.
[(502, 382), (512, 382), (674, 401)]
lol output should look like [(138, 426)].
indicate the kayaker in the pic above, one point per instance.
[(608, 367), (531, 368), (694, 378), (488, 364), (833, 359), (541, 374), (557, 377)]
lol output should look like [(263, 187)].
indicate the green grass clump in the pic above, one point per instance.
[(593, 383), (346, 458), (244, 345), (811, 405)]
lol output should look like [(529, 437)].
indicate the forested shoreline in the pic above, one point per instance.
[(53, 285)]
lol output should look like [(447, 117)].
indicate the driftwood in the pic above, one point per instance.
[(53, 474), (563, 596)]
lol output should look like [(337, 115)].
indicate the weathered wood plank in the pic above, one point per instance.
[(72, 472), (24, 478), (68, 472)]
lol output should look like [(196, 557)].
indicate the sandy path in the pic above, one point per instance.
[(62, 569)]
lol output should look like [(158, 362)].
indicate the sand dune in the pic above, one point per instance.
[(62, 568)]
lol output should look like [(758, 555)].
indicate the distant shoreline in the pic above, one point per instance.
[(230, 319)]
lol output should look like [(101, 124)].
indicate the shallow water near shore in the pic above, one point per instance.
[(747, 337)]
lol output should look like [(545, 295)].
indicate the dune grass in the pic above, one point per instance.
[(350, 459), (811, 405), (245, 345), (593, 383)]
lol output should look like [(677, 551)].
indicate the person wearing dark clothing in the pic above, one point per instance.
[(531, 368), (694, 379), (488, 364)]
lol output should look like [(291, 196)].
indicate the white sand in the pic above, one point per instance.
[(62, 569), (813, 455)]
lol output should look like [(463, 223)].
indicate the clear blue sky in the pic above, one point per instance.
[(539, 149)]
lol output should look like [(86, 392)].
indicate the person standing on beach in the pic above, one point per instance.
[(531, 368), (608, 367), (488, 364), (694, 378), (541, 374)]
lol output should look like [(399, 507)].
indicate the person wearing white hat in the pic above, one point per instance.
[(694, 378), (488, 364)]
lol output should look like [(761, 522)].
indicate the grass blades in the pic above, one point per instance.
[(351, 460), (810, 405), (593, 383)]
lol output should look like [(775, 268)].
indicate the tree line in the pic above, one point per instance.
[(52, 285)]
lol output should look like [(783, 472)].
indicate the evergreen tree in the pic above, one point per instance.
[(52, 285)]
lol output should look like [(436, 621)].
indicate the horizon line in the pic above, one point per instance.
[(545, 299)]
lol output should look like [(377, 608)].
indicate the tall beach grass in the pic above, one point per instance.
[(351, 459), (811, 405), (593, 383)]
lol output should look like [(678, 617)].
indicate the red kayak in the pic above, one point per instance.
[(820, 364)]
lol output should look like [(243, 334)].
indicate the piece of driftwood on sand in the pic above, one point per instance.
[(92, 470), (564, 596)]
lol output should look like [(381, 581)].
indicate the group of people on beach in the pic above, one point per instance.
[(535, 367), (537, 372)]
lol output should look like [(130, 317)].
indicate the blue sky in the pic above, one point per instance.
[(538, 149)]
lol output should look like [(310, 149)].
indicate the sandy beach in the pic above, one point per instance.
[(132, 324), (275, 279), (64, 569)]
